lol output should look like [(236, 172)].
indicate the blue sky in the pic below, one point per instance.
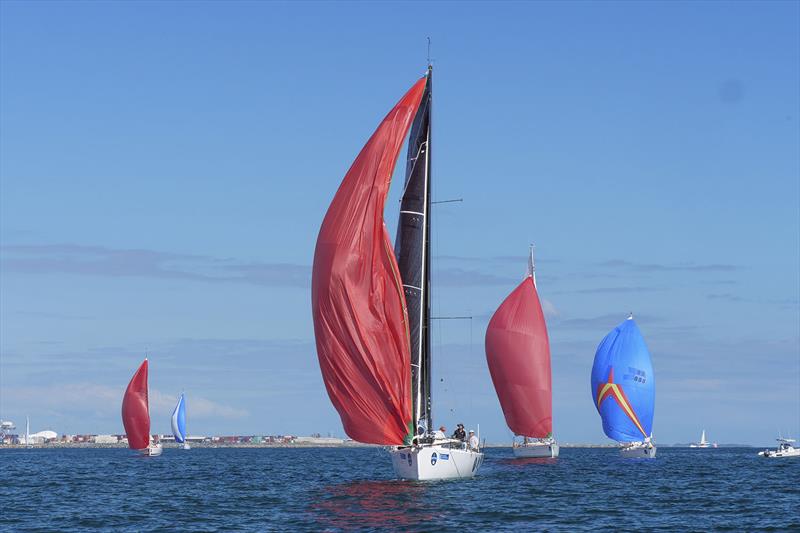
[(165, 167)]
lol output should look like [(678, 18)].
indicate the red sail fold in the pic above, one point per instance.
[(360, 320), (518, 353), (136, 411)]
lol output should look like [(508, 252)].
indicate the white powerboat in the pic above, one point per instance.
[(639, 450), (536, 448), (785, 449), (440, 459)]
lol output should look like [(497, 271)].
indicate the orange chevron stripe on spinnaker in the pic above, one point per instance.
[(611, 389)]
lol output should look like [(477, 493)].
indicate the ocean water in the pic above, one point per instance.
[(344, 489)]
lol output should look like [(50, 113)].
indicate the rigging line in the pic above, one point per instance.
[(448, 201), (451, 318), (472, 380)]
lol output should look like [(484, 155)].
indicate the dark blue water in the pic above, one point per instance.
[(346, 489)]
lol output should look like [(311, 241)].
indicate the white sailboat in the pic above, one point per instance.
[(136, 414), (518, 355), (371, 304), (429, 455), (623, 389), (178, 422), (703, 442)]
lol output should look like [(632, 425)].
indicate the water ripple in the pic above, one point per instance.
[(270, 489)]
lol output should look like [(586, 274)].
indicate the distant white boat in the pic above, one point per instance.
[(703, 442), (785, 449)]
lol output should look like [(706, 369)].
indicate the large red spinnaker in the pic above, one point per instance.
[(360, 319), (518, 353), (136, 410)]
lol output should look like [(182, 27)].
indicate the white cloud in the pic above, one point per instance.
[(105, 401)]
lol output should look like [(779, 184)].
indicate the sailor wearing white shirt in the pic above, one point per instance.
[(440, 435), (473, 440)]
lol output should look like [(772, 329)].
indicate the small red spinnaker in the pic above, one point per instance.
[(136, 410), (518, 354), (360, 318)]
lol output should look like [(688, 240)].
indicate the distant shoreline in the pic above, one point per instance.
[(350, 444)]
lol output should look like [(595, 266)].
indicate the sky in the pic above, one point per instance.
[(165, 168)]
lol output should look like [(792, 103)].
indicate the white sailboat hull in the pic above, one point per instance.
[(638, 450), (154, 450), (186, 446), (536, 449), (435, 461)]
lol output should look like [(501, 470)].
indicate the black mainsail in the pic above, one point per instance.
[(412, 248)]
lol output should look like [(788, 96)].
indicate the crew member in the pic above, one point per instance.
[(473, 440)]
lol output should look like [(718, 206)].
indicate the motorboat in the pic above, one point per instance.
[(785, 449)]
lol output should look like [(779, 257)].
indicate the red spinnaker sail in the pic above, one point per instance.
[(136, 411), (518, 353), (360, 319)]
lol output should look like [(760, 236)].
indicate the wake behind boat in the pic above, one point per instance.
[(623, 390), (371, 305), (518, 355), (136, 414)]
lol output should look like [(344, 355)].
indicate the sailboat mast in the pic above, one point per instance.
[(426, 327), (412, 248)]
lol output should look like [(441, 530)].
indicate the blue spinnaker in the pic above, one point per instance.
[(623, 385), (179, 420)]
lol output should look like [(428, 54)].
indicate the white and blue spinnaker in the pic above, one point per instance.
[(179, 422)]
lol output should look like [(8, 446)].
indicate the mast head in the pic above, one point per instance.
[(430, 67), (532, 263)]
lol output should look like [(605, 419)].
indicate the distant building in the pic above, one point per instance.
[(106, 439), (40, 437), (318, 440)]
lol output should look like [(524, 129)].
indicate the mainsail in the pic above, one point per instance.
[(359, 311), (136, 411), (179, 420), (412, 248), (623, 385), (518, 355)]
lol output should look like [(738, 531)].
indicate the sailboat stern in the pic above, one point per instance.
[(639, 450), (429, 462), (537, 449)]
